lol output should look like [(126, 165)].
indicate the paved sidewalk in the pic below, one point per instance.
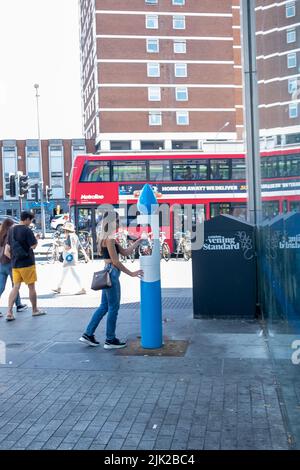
[(56, 393)]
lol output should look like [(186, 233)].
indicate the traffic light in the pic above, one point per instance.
[(12, 185), (35, 192), (23, 185), (48, 193)]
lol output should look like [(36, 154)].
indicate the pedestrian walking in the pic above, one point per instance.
[(19, 248), (110, 301), (70, 258), (5, 264)]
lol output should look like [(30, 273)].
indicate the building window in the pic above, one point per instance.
[(155, 119), (120, 145), (290, 10), (151, 21), (152, 2), (33, 164), (292, 85), (9, 159), (178, 22), (180, 70), (152, 45), (291, 36), (152, 144), (184, 144), (182, 118), (154, 93), (56, 167), (291, 60), (178, 2), (179, 47), (78, 149), (181, 93), (293, 110), (153, 69)]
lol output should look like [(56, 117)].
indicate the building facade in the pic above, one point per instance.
[(278, 66), (160, 74), (24, 155)]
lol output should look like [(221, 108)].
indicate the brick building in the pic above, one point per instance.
[(23, 155), (278, 59), (160, 73)]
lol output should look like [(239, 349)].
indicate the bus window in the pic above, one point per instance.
[(203, 170), (129, 171), (217, 208), (159, 170), (236, 209), (293, 165), (95, 171), (282, 166), (238, 169), (184, 170), (295, 206), (219, 169), (269, 167), (270, 209), (85, 220), (284, 206)]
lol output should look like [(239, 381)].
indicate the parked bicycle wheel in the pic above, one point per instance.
[(52, 254), (187, 253), (165, 251)]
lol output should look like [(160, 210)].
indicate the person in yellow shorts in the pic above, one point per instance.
[(19, 248)]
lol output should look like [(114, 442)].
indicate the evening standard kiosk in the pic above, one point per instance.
[(224, 270)]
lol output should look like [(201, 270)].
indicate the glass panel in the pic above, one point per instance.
[(184, 144), (152, 45), (152, 144), (120, 145), (179, 47), (129, 171), (186, 170), (279, 255), (238, 169), (85, 220), (219, 169), (159, 170), (293, 165), (95, 171)]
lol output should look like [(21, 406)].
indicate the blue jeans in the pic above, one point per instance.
[(110, 303), (5, 271)]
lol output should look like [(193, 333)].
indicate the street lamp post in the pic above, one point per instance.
[(36, 86), (218, 132)]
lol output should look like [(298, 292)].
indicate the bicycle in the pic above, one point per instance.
[(55, 250), (165, 252), (86, 247), (184, 245)]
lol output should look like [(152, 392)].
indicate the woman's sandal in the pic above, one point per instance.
[(10, 318), (39, 313)]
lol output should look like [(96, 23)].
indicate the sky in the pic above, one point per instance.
[(39, 43)]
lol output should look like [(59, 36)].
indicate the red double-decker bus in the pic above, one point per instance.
[(211, 184)]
